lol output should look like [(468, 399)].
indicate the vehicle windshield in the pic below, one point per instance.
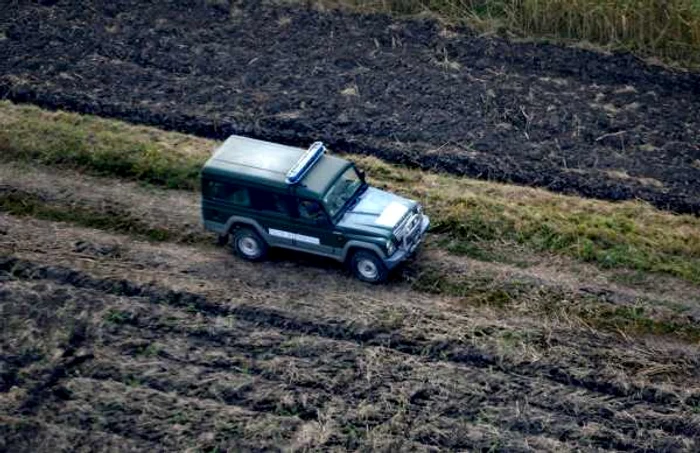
[(342, 190)]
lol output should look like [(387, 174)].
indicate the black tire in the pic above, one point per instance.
[(248, 244), (367, 266)]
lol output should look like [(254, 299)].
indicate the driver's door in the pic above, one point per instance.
[(315, 231)]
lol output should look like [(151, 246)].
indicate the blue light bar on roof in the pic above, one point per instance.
[(305, 162)]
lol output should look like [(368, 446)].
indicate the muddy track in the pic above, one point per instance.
[(200, 361), (566, 119), (173, 216), (188, 342), (444, 350)]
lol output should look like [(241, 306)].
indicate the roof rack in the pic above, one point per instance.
[(305, 162)]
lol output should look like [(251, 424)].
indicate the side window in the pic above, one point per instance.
[(240, 196), (270, 201), (310, 210), (227, 192)]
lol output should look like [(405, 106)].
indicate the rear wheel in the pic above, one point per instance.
[(248, 244), (368, 267)]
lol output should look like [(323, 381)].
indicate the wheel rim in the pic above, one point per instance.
[(249, 246), (368, 269)]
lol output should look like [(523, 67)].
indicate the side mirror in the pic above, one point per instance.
[(361, 173)]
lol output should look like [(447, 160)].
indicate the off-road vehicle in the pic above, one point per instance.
[(257, 195)]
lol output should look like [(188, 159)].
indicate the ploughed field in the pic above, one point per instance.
[(137, 333), (571, 120)]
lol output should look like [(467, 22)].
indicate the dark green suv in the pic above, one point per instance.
[(258, 195)]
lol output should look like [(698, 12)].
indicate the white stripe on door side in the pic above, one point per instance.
[(294, 236)]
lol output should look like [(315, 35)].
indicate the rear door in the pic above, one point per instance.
[(273, 211), (223, 199)]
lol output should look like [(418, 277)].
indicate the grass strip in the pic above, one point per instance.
[(632, 235), (102, 147), (549, 303)]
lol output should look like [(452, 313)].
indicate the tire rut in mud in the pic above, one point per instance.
[(21, 434), (566, 119)]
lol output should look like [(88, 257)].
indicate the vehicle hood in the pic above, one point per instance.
[(377, 212)]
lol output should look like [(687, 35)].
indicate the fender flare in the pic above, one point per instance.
[(234, 220), (355, 244)]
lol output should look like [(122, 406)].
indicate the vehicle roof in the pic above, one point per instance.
[(267, 163)]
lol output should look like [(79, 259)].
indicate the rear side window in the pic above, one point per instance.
[(226, 192), (269, 201)]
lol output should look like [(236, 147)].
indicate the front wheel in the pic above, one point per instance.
[(368, 267), (248, 244)]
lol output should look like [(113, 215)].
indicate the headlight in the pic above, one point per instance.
[(390, 247)]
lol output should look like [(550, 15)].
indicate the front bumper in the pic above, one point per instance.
[(402, 253)]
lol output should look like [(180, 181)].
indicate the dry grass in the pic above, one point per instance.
[(457, 303), (101, 146), (667, 29), (558, 305)]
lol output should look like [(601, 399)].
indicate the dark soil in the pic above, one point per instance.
[(567, 119), (176, 370)]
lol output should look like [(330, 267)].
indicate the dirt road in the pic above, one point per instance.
[(113, 342)]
